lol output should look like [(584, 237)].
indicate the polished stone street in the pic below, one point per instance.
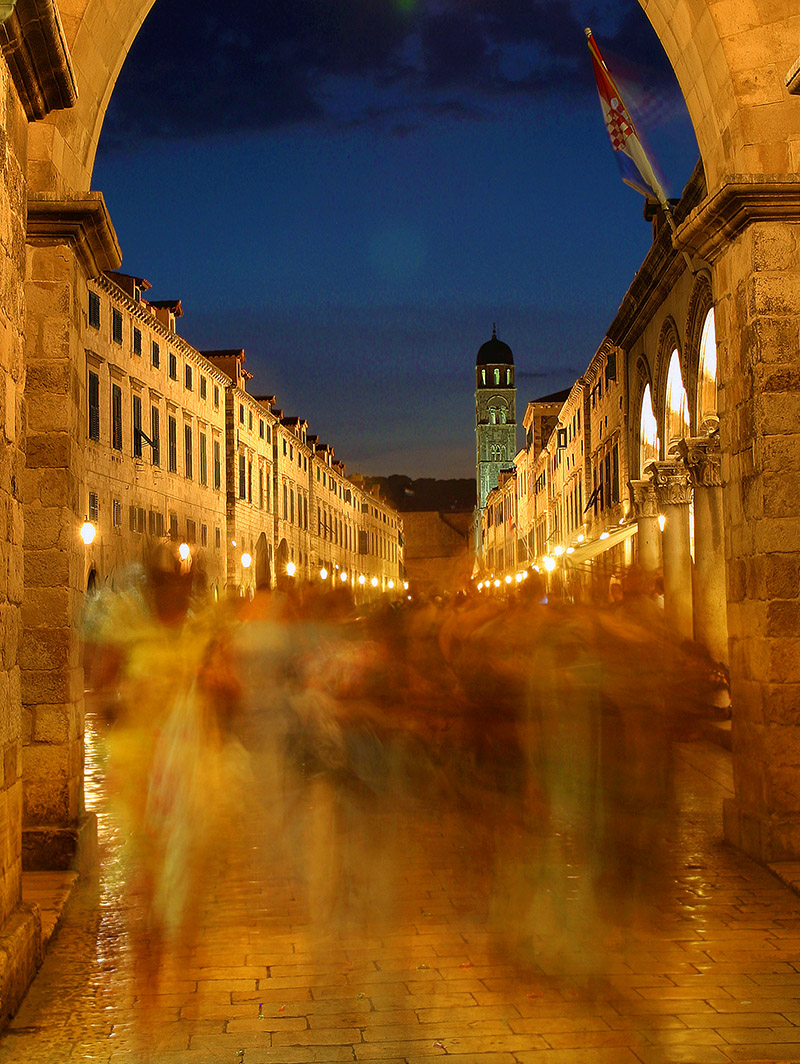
[(282, 968)]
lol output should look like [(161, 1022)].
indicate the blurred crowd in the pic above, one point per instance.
[(535, 737)]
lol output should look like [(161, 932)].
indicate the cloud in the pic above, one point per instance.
[(251, 65)]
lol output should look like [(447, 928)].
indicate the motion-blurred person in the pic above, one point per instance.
[(170, 697)]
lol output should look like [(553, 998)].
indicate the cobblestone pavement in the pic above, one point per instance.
[(706, 970)]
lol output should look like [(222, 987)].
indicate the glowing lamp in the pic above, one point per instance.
[(391, 585), (604, 535), (581, 538), (362, 579), (343, 578), (88, 532), (661, 521), (405, 585), (508, 578), (323, 573), (497, 583), (291, 568), (247, 561), (183, 551), (570, 550), (558, 551), (374, 581), (549, 563)]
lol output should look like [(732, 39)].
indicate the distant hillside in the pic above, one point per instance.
[(456, 496)]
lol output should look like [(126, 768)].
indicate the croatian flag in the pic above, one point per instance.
[(631, 157)]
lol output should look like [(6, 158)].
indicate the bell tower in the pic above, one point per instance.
[(495, 415)]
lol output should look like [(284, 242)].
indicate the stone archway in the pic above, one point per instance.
[(747, 230), (263, 576)]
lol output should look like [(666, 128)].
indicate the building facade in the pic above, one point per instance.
[(623, 468), (154, 436), (178, 450)]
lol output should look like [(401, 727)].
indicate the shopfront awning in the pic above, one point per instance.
[(586, 551)]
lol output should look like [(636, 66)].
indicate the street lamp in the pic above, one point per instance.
[(374, 581), (291, 568), (323, 573), (247, 561), (88, 532), (183, 551)]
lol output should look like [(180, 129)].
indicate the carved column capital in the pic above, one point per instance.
[(643, 498), (672, 484), (701, 457)]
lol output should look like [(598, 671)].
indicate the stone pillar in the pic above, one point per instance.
[(749, 229), (701, 456), (645, 510), (673, 493), (67, 243)]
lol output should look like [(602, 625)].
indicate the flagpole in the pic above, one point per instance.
[(625, 139)]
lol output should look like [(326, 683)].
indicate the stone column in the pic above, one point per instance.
[(67, 243), (701, 456), (749, 229), (673, 493), (645, 510)]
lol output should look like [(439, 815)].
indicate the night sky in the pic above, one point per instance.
[(355, 190)]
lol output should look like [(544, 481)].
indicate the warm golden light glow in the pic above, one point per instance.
[(247, 561), (677, 404), (648, 432), (323, 573), (374, 581), (661, 521), (558, 550), (343, 577), (362, 579), (88, 532), (604, 535), (291, 569), (183, 552), (391, 585)]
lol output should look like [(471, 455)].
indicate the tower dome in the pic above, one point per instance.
[(494, 352)]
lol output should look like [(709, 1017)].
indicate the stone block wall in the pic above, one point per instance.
[(13, 133)]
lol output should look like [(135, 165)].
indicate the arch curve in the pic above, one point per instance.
[(702, 40)]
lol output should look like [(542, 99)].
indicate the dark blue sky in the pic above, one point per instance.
[(355, 190)]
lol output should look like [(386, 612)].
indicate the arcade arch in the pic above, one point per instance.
[(746, 231)]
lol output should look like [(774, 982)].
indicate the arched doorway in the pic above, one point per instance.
[(262, 574)]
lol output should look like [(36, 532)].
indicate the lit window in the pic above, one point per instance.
[(648, 432), (677, 406), (707, 376)]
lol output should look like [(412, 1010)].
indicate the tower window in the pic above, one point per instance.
[(497, 376)]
